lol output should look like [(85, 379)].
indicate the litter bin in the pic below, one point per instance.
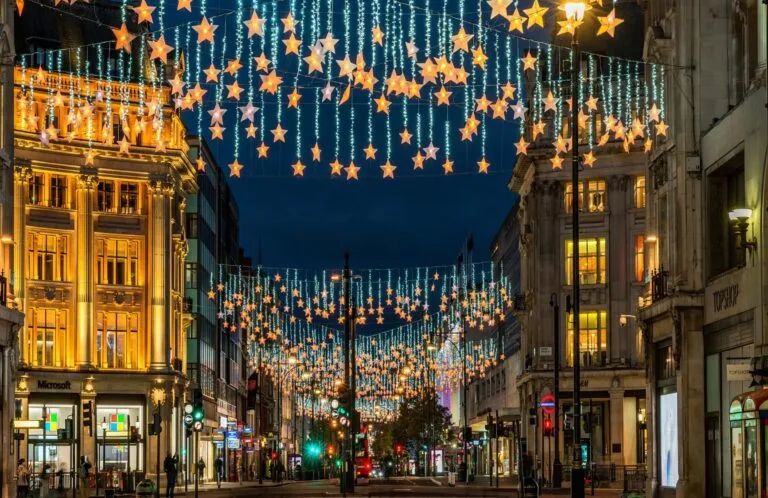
[(145, 488)]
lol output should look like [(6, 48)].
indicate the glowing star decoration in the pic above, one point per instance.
[(336, 167), (499, 109), (529, 61), (448, 166), (648, 145), (198, 93), (270, 83), (327, 92), (347, 93), (604, 139), (234, 168), (248, 112), (536, 14), (557, 162), (298, 168), (90, 156), (411, 49), (352, 171), (293, 98), (200, 164), (568, 26), (522, 147), (499, 7), (430, 151), (144, 12), (370, 152), (346, 66), (538, 128), (608, 24), (292, 45), (329, 43), (478, 57), (160, 49), (278, 134), (483, 166), (654, 114), (233, 91), (262, 149), (177, 85), (205, 31), (314, 61), (378, 35), (589, 159), (289, 23), (428, 71), (519, 111), (482, 104), (316, 152), (509, 91), (442, 96), (233, 66), (255, 25), (125, 146), (123, 38), (418, 161), (661, 128), (217, 114), (382, 104), (217, 132), (461, 40), (388, 170), (516, 21), (405, 136), (262, 63), (250, 131), (184, 5), (592, 103), (550, 102)]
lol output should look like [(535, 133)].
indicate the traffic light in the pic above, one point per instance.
[(19, 408), (313, 449), (88, 415), (155, 427), (197, 406), (501, 431), (134, 434), (547, 426)]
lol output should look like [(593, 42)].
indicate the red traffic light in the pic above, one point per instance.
[(274, 455), (547, 424)]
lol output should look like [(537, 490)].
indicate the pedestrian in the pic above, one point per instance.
[(83, 474), (60, 479), (219, 468), (45, 483), (170, 469), (200, 469), (22, 479)]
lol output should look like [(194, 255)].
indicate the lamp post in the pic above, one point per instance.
[(158, 398), (574, 12)]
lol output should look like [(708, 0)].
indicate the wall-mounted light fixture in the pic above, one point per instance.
[(740, 218)]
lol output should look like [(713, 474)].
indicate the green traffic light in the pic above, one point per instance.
[(197, 414), (338, 462)]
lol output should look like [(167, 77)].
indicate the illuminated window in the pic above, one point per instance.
[(591, 190), (129, 198), (105, 198), (47, 257), (117, 339), (592, 338), (639, 258), (639, 192), (117, 261), (46, 341), (592, 261), (191, 275), (35, 189), (58, 191)]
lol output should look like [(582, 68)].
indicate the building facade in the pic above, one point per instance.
[(99, 250), (705, 307)]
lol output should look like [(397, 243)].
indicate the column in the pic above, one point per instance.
[(690, 387), (22, 172), (617, 424), (160, 257), (86, 187)]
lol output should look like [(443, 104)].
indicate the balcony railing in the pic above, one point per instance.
[(659, 284)]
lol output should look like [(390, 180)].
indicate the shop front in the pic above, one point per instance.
[(748, 420)]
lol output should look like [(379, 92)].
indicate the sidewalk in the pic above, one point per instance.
[(267, 483)]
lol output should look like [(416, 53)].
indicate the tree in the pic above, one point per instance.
[(383, 442)]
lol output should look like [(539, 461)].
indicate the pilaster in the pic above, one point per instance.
[(22, 172), (160, 258), (86, 187)]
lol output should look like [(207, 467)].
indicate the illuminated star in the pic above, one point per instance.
[(516, 21), (418, 161), (336, 167), (250, 132), (430, 151), (557, 162), (654, 114), (144, 12), (262, 63), (378, 35), (550, 102), (278, 133), (177, 85), (591, 103), (270, 83), (184, 4), (292, 45), (90, 155), (405, 136), (160, 49), (582, 118), (198, 93), (648, 145), (499, 7), (200, 163), (328, 92), (293, 98), (448, 166), (478, 57), (608, 24), (411, 49), (529, 61), (352, 171), (388, 170), (233, 91), (442, 96), (382, 104), (428, 71), (255, 25), (535, 14), (263, 149), (217, 132), (123, 38), (538, 128), (298, 168), (217, 114), (604, 139), (589, 159), (205, 31), (519, 110), (211, 74), (248, 111), (346, 66), (233, 67), (509, 91), (499, 109), (235, 168), (289, 23), (370, 152), (125, 145), (522, 147), (329, 43), (483, 166), (314, 60), (481, 104), (661, 128), (316, 152), (461, 40)]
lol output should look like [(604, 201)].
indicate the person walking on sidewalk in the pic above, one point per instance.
[(219, 467), (171, 471), (22, 479)]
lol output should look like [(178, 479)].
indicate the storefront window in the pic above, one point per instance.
[(751, 463), (118, 449), (593, 341)]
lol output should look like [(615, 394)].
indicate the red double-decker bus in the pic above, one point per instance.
[(363, 462)]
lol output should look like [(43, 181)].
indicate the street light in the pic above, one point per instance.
[(158, 398)]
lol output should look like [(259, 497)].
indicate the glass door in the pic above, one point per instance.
[(737, 461)]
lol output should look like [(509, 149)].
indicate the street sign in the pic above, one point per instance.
[(188, 408), (547, 404), (545, 351), (27, 424), (198, 426), (188, 419)]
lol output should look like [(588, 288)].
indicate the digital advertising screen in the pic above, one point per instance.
[(668, 439)]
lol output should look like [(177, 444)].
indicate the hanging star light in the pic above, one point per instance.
[(160, 49), (262, 149), (289, 23), (442, 96), (316, 152), (529, 61), (336, 167), (461, 40), (378, 35), (370, 152), (516, 21), (234, 168), (329, 43), (448, 166), (292, 44), (205, 31), (298, 168), (123, 38), (255, 25), (262, 63), (184, 5), (522, 147), (608, 24), (352, 171), (144, 12), (278, 133), (418, 161), (388, 170), (483, 166), (499, 7), (536, 14)]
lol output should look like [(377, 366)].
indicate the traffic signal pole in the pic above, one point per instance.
[(347, 340), (557, 470)]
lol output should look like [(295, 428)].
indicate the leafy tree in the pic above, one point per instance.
[(422, 421), (383, 442)]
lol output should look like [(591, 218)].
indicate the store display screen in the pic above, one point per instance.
[(668, 439)]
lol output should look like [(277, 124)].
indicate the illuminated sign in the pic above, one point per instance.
[(548, 404), (27, 424)]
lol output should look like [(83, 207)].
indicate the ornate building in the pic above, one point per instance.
[(99, 251)]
